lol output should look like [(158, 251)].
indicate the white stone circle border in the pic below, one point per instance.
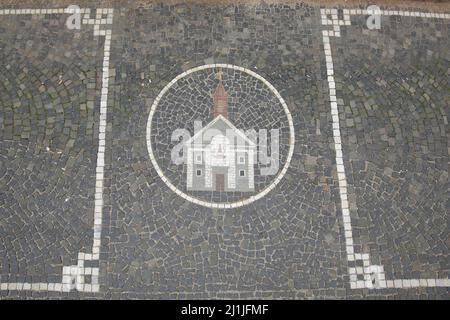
[(222, 205)]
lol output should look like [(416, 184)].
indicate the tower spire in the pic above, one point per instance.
[(220, 98)]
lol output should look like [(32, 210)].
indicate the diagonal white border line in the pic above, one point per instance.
[(73, 276), (374, 276)]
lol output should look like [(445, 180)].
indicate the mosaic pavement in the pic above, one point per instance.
[(92, 204)]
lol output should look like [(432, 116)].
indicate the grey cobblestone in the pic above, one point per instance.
[(392, 97)]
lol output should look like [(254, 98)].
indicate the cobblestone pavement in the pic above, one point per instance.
[(358, 206)]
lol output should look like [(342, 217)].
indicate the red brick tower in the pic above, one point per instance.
[(220, 99)]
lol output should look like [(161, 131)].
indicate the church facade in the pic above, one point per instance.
[(220, 157)]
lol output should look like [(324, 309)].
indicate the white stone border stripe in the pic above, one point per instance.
[(98, 205), (212, 204), (385, 13), (395, 13), (73, 276), (374, 276), (36, 11)]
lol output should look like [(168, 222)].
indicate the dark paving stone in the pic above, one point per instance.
[(394, 85), (48, 146), (392, 89)]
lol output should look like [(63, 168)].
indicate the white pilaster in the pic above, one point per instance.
[(190, 166), (207, 161), (231, 158), (251, 180)]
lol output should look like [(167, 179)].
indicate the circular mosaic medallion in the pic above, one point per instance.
[(220, 136)]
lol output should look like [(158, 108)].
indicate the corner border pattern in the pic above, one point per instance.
[(374, 275), (73, 277)]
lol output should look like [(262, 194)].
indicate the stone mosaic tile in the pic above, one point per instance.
[(395, 134), (287, 240), (67, 166), (48, 147)]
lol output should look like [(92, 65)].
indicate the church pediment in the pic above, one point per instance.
[(219, 125)]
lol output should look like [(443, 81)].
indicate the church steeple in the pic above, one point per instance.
[(220, 98)]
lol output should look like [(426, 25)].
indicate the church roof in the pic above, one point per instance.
[(217, 120)]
